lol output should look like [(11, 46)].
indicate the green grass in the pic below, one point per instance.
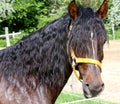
[(117, 34), (2, 43), (65, 97)]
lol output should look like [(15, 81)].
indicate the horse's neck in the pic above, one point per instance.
[(49, 94)]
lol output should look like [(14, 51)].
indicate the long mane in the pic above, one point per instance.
[(41, 56)]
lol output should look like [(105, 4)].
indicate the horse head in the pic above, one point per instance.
[(87, 37)]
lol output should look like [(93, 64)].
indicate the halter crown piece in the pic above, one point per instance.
[(76, 60)]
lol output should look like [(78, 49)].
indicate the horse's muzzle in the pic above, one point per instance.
[(92, 92)]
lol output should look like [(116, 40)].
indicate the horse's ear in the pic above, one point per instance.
[(73, 9), (102, 12)]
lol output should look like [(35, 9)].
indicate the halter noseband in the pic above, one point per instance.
[(76, 60)]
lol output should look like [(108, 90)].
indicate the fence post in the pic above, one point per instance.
[(13, 34), (7, 37), (113, 31)]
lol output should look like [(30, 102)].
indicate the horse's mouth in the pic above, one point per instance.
[(92, 93)]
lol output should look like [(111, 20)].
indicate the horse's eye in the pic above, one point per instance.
[(80, 64)]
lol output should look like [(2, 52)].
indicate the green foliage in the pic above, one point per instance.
[(95, 4), (114, 13), (31, 15), (6, 8), (27, 15)]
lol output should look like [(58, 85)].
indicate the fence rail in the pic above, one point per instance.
[(7, 35), (10, 34)]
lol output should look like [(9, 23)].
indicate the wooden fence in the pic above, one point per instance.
[(7, 35)]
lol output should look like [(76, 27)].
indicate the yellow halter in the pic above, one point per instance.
[(83, 60)]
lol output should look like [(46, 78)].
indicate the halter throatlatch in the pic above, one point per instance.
[(76, 60)]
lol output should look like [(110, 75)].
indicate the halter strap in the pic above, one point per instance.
[(76, 60)]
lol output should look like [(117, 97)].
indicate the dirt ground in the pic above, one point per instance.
[(110, 74), (111, 71)]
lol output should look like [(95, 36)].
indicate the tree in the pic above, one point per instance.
[(30, 15), (27, 16), (114, 15), (95, 4), (6, 8), (61, 5)]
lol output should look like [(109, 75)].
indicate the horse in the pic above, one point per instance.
[(36, 68)]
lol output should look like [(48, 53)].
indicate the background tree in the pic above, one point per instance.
[(95, 4), (114, 15), (28, 15), (6, 8)]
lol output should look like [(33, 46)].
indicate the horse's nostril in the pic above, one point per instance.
[(87, 85), (103, 85)]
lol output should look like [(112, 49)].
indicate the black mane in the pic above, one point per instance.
[(41, 55)]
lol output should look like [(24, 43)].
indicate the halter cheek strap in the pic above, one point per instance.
[(83, 60)]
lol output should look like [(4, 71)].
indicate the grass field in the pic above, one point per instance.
[(67, 97)]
